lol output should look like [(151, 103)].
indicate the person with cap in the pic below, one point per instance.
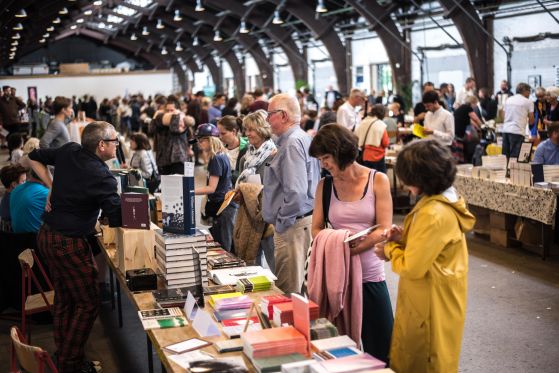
[(218, 184)]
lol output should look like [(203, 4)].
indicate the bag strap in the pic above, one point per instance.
[(154, 171), (367, 134), (326, 195)]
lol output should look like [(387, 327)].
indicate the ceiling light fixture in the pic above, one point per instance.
[(159, 25), (217, 36), (79, 20), (42, 41), (73, 27), (13, 49), (145, 31), (56, 20), (177, 17), (46, 35), (133, 37), (320, 7), (277, 18), (16, 36), (50, 29), (18, 26), (195, 41), (88, 12), (179, 48), (243, 29), (98, 3), (15, 42), (63, 11), (199, 6), (164, 51), (21, 14)]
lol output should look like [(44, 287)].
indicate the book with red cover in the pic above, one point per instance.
[(135, 210), (267, 303), (273, 342), (302, 318), (240, 321), (283, 312)]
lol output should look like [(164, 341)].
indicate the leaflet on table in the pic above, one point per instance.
[(188, 345)]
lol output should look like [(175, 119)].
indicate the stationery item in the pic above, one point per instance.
[(165, 238), (218, 289), (188, 345), (283, 312), (267, 303), (321, 345), (273, 342), (252, 284), (229, 345), (240, 321), (177, 195), (230, 276), (164, 323), (177, 297), (336, 353), (361, 233), (226, 201), (204, 325), (230, 301), (236, 330), (231, 314), (135, 210), (159, 313), (418, 131)]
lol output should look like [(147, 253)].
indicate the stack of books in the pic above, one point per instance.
[(323, 328), (273, 342), (274, 364), (230, 276), (181, 258), (252, 284), (356, 363), (230, 301), (233, 328), (219, 258), (283, 313), (340, 341), (267, 304), (177, 297)]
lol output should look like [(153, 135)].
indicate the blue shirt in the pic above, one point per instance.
[(214, 113), (27, 205), (290, 180), (220, 166), (546, 153)]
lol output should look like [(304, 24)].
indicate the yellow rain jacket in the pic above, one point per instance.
[(432, 261)]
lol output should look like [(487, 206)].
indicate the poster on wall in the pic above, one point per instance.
[(32, 94)]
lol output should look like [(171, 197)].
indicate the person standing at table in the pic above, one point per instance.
[(347, 114), (438, 122), (289, 186), (519, 111), (82, 186)]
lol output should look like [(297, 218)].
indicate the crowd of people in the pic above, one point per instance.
[(288, 143)]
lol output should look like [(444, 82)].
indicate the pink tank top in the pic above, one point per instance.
[(356, 216)]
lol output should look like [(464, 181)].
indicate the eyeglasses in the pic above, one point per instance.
[(270, 113), (116, 141)]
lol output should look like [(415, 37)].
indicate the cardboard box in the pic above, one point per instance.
[(529, 232), (502, 221), (499, 237), (135, 248)]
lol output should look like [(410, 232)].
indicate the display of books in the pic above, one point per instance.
[(162, 318), (340, 341), (355, 363), (252, 284), (230, 301), (229, 276), (177, 297), (267, 303), (177, 208), (273, 342), (283, 312)]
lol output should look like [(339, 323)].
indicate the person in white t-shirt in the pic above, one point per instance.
[(519, 111), (467, 90), (438, 122), (347, 114)]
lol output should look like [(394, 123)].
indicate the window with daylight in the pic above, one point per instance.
[(124, 10)]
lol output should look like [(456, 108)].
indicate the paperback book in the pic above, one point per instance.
[(177, 195)]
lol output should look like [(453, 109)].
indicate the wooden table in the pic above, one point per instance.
[(158, 338)]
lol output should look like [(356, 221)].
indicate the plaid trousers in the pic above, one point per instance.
[(76, 303)]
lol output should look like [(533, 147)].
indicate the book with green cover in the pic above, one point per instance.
[(274, 363), (172, 322)]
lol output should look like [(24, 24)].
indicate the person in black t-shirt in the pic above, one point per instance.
[(82, 186), (465, 116)]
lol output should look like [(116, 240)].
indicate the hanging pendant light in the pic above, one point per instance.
[(160, 24), (21, 14), (244, 29), (195, 41), (145, 31), (178, 48), (277, 18), (217, 36), (133, 37), (320, 7), (177, 17), (199, 6), (18, 27)]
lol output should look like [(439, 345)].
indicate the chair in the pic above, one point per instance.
[(32, 359), (33, 303)]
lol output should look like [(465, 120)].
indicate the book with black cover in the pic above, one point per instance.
[(176, 297), (177, 195), (135, 210)]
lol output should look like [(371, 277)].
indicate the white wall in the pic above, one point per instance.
[(100, 86), (283, 74), (366, 52), (324, 74)]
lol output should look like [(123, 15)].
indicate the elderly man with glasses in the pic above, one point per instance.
[(347, 114), (290, 181), (82, 186)]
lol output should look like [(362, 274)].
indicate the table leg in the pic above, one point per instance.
[(163, 370), (150, 355), (545, 242), (119, 304), (112, 287)]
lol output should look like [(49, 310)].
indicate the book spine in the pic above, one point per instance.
[(189, 203)]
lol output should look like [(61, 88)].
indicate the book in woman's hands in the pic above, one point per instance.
[(361, 233)]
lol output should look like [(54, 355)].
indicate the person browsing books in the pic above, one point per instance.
[(219, 183), (360, 198), (82, 186), (431, 256)]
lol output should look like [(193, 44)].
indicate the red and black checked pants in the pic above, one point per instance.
[(76, 303)]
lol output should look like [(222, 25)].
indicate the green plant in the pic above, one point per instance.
[(300, 84)]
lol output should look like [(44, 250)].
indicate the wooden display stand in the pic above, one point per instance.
[(109, 234), (135, 248)]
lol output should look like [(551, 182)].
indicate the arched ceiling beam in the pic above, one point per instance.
[(476, 42), (250, 43), (399, 56), (323, 31), (278, 34)]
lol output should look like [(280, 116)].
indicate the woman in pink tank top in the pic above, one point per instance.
[(359, 198)]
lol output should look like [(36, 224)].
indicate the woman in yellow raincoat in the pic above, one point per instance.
[(431, 257)]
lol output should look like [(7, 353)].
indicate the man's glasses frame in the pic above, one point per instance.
[(115, 140), (272, 112)]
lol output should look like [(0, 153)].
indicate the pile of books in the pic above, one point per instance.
[(283, 313), (267, 304), (275, 363), (230, 301), (355, 363), (219, 258), (252, 284), (181, 259), (273, 342), (162, 318), (177, 297), (230, 276), (323, 328)]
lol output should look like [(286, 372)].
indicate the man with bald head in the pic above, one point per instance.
[(290, 182)]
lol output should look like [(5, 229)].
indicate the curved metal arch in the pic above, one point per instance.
[(399, 56), (250, 43), (281, 36), (323, 31)]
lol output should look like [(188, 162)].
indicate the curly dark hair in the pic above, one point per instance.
[(337, 141), (11, 173), (427, 165)]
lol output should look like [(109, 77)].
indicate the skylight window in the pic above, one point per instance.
[(140, 3), (114, 19), (124, 10)]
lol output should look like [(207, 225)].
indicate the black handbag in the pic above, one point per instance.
[(155, 179)]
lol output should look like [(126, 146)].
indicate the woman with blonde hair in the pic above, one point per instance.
[(218, 184)]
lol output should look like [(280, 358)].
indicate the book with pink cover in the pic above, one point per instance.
[(273, 342), (302, 318), (356, 363)]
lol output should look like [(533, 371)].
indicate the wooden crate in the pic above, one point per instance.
[(109, 234), (502, 221), (499, 237), (136, 248)]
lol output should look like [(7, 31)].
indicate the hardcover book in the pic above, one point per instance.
[(177, 195), (135, 210)]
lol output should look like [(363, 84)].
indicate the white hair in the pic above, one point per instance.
[(290, 104), (552, 91)]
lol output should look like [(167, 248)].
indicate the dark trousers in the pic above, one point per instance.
[(222, 228), (512, 144), (378, 320), (76, 303), (380, 166)]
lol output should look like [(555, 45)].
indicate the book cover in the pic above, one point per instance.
[(177, 297), (302, 318), (274, 364), (135, 210), (166, 238), (340, 341), (177, 195)]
